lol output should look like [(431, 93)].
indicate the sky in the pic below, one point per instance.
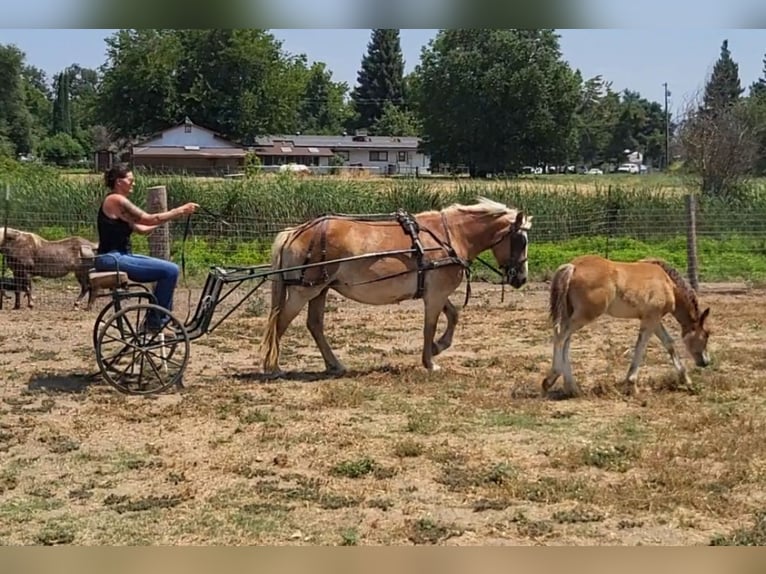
[(636, 59)]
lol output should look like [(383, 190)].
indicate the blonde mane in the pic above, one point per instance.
[(490, 207)]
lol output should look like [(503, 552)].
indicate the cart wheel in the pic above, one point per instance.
[(110, 308), (138, 362)]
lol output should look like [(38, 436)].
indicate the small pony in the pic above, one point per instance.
[(28, 255), (590, 286)]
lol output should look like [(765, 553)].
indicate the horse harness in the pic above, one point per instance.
[(411, 228)]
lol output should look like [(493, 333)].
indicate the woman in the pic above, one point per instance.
[(117, 219)]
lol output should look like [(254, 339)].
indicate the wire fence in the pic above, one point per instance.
[(718, 244)]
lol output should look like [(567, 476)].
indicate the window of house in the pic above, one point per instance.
[(378, 156), (402, 156)]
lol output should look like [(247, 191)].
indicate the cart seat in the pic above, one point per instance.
[(107, 279)]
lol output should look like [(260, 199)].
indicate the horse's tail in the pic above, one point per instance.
[(270, 343), (559, 307)]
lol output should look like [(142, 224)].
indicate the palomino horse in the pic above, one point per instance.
[(386, 259), (590, 286), (28, 255)]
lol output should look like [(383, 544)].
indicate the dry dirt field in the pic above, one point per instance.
[(388, 454)]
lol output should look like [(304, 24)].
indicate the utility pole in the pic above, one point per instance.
[(667, 128)]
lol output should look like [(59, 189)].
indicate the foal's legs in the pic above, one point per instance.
[(445, 341), (645, 333), (561, 364), (315, 324), (667, 342)]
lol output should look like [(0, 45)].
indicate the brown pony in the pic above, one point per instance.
[(590, 286), (386, 259), (28, 255)]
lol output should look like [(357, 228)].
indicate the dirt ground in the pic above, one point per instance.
[(387, 454)]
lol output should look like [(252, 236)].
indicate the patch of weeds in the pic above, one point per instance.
[(335, 501), (535, 528), (62, 445), (548, 489), (349, 537), (486, 504), (8, 480), (343, 394), (82, 493), (258, 519), (616, 458), (381, 503), (248, 471), (20, 510), (122, 503), (512, 419), (752, 536), (427, 531), (422, 422), (354, 468), (578, 514), (408, 448), (626, 523), (458, 477), (253, 416), (42, 355), (54, 533)]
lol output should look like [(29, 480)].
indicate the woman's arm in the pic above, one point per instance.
[(122, 208)]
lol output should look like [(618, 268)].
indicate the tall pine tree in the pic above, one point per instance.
[(62, 117), (758, 88), (723, 89), (380, 79)]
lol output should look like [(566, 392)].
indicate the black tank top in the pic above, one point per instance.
[(113, 234)]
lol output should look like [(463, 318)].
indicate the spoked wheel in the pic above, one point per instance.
[(137, 361), (112, 306)]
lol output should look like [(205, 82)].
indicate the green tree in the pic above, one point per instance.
[(597, 116), (61, 149), (495, 100), (323, 109), (38, 101), (83, 94), (239, 82), (758, 88), (723, 88), (380, 79), (16, 123), (395, 121), (62, 117), (137, 94)]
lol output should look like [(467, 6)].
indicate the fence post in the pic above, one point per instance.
[(159, 238), (692, 268)]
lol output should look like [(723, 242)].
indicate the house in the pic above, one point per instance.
[(384, 154), (188, 147)]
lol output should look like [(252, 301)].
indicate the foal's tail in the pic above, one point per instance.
[(270, 343), (559, 308)]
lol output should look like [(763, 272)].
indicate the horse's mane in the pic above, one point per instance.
[(490, 207), (36, 239), (680, 282)]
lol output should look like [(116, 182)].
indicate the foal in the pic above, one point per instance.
[(590, 286)]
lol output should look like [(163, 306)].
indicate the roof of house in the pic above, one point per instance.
[(186, 122), (342, 142), (286, 149), (188, 151)]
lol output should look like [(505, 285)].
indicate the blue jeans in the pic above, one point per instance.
[(143, 269)]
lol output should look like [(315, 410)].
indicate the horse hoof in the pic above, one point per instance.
[(434, 368)]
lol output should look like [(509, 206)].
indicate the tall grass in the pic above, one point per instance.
[(566, 222)]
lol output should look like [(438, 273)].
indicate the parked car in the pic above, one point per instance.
[(594, 171), (627, 168)]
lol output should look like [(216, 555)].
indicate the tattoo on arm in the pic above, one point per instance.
[(130, 212)]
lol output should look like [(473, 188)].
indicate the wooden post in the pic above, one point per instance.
[(159, 239), (692, 268)]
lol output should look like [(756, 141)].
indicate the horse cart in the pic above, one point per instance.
[(401, 256)]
